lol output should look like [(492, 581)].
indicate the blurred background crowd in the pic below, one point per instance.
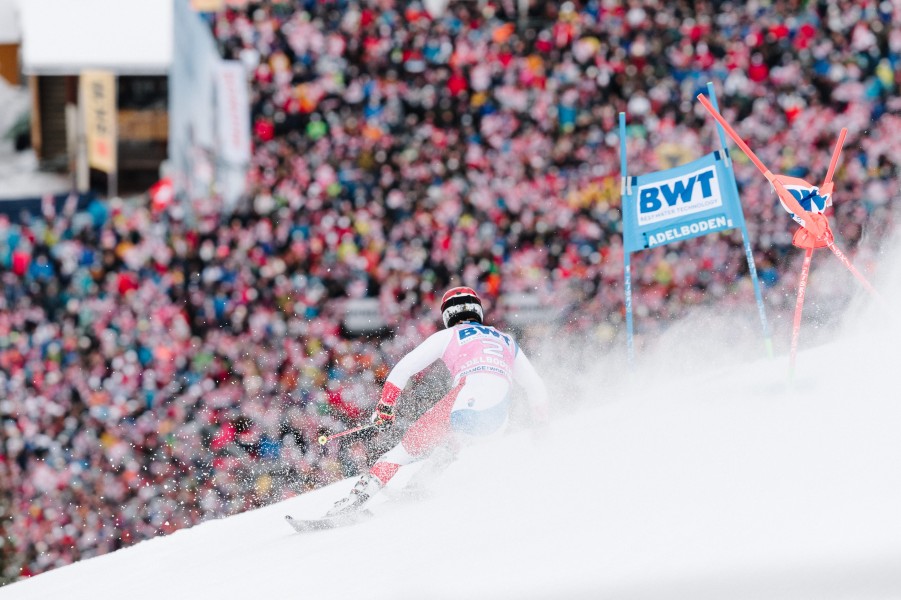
[(157, 371)]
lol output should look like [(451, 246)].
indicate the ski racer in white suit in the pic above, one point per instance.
[(483, 362)]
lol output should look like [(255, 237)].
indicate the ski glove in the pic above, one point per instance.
[(384, 410)]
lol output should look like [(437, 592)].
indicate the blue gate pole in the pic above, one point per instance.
[(627, 263), (749, 253)]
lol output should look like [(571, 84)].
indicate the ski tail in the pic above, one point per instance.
[(322, 523)]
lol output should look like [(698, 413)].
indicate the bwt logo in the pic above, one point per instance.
[(679, 191), (678, 196)]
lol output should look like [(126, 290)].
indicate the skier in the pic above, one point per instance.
[(483, 363)]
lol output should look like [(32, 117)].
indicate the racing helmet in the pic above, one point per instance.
[(460, 304)]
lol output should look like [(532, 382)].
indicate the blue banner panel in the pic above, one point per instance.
[(678, 204)]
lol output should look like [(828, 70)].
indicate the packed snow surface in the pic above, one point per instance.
[(699, 481)]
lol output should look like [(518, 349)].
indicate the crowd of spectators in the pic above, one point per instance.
[(157, 371)]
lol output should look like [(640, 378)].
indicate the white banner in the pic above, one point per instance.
[(98, 97), (232, 113), (363, 315), (192, 87)]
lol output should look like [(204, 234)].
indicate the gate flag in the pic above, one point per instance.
[(806, 204), (679, 204), (682, 203)]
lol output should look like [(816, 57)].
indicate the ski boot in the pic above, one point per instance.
[(366, 487)]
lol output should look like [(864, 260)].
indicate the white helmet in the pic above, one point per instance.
[(460, 304)]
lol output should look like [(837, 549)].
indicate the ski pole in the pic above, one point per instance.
[(324, 439)]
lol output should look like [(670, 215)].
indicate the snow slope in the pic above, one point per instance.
[(680, 483)]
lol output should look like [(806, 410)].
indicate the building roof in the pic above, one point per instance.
[(9, 22), (128, 37)]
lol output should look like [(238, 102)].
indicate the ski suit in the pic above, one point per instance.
[(484, 363)]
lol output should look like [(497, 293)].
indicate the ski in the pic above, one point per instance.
[(305, 525)]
